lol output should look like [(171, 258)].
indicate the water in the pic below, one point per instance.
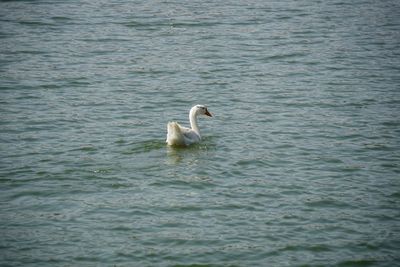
[(299, 166)]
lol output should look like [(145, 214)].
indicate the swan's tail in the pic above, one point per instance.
[(174, 136)]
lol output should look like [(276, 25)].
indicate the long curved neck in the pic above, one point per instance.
[(193, 121)]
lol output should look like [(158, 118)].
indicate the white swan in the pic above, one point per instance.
[(182, 136)]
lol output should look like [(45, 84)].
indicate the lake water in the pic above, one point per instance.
[(300, 165)]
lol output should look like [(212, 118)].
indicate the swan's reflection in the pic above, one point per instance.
[(187, 155), (191, 164)]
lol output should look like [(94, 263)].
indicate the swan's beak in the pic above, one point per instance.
[(207, 113)]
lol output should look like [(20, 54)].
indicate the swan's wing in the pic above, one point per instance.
[(174, 135), (179, 135), (190, 136), (185, 130)]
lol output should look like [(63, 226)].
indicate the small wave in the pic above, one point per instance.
[(153, 25), (283, 56), (145, 146), (35, 23), (360, 262), (313, 248), (327, 203)]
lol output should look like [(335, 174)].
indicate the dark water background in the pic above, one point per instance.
[(299, 166)]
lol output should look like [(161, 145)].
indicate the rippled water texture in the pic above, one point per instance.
[(299, 166)]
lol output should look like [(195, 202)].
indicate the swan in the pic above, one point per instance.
[(182, 136)]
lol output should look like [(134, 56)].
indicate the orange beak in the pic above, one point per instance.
[(207, 113)]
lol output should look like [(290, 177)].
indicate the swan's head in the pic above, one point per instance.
[(201, 110)]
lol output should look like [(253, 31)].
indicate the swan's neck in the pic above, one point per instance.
[(193, 121)]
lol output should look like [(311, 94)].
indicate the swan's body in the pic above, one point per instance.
[(182, 136)]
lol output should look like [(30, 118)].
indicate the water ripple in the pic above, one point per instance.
[(299, 165)]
